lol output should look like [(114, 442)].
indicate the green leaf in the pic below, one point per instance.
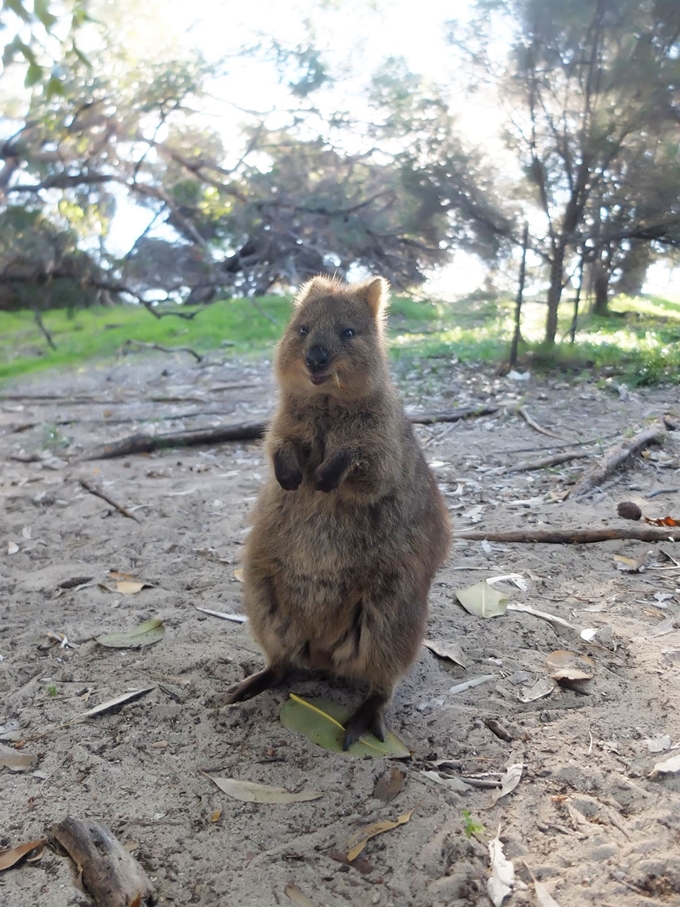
[(34, 74), (322, 722), (483, 600), (53, 88), (18, 9), (145, 634), (42, 11)]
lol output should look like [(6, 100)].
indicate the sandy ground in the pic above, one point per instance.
[(587, 818)]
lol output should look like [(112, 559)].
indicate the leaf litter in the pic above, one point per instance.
[(125, 583), (449, 650), (389, 784), (146, 634), (483, 600), (9, 858), (360, 839), (502, 879), (253, 792)]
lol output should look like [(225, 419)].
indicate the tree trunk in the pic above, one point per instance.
[(554, 293), (601, 288)]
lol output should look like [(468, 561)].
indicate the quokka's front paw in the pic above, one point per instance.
[(289, 480), (288, 474), (327, 479)]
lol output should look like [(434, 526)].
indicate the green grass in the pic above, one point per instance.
[(640, 342)]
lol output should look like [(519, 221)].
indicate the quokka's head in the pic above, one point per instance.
[(334, 341)]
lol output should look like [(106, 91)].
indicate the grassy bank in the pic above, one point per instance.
[(640, 342)]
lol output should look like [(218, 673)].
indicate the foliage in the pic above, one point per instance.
[(640, 344), (276, 207), (591, 86)]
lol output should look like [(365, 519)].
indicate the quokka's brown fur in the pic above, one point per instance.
[(350, 527)]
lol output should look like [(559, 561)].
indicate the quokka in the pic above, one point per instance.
[(350, 527)]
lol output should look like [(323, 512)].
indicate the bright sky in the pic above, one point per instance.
[(355, 37)]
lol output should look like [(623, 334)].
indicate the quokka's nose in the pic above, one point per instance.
[(317, 359)]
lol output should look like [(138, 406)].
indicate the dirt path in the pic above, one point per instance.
[(586, 818)]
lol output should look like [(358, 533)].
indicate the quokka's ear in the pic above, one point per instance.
[(376, 292), (318, 284)]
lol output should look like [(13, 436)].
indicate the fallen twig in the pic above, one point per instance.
[(539, 428), (658, 491), (555, 460), (244, 431), (109, 500), (616, 457), (110, 874), (568, 536), (163, 349)]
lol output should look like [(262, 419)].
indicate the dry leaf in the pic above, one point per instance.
[(500, 885), (553, 618), (629, 564), (473, 682), (9, 858), (543, 896), (237, 618), (509, 782), (483, 600), (359, 839), (146, 634), (126, 583), (113, 703), (238, 574), (543, 687), (297, 897), (12, 548), (565, 665), (17, 762), (662, 521), (449, 650), (663, 627), (515, 578), (252, 792), (658, 744), (389, 784), (456, 784), (216, 816), (668, 767)]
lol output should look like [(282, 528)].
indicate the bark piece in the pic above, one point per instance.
[(110, 874), (616, 457)]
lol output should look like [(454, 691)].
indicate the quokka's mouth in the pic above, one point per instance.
[(318, 379)]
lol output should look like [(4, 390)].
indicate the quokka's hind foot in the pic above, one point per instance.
[(368, 717), (255, 684)]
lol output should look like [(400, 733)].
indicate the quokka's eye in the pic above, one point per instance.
[(303, 331), (348, 332)]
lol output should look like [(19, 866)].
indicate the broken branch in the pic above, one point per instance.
[(555, 460), (539, 428), (616, 457), (163, 349), (568, 536), (244, 431), (109, 500)]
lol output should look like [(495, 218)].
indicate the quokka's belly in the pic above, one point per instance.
[(312, 534)]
